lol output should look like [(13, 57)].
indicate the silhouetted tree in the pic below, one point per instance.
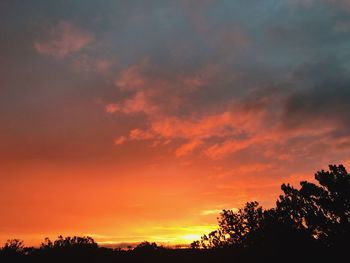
[(13, 250), (69, 242), (235, 227), (302, 217), (146, 246), (195, 244), (321, 210), (13, 246)]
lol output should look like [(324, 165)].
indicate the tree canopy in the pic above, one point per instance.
[(315, 214)]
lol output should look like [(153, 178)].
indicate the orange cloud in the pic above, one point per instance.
[(131, 78), (63, 39), (137, 134), (230, 146), (249, 124), (217, 211), (228, 123), (187, 148), (198, 131), (149, 97), (112, 108), (156, 94), (120, 140)]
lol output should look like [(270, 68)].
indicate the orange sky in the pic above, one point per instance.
[(129, 121), (169, 202)]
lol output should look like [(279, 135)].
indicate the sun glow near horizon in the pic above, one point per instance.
[(171, 236), (167, 236)]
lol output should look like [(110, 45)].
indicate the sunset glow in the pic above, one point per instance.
[(141, 120)]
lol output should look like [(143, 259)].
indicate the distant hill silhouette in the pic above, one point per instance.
[(309, 224)]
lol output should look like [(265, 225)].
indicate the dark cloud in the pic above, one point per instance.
[(321, 97)]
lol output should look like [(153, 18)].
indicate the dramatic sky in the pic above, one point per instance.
[(140, 120)]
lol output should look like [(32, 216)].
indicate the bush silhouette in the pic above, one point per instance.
[(69, 242), (13, 247), (146, 246)]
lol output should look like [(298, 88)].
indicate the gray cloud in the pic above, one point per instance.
[(321, 97)]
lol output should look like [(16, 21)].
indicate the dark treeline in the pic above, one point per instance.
[(309, 224)]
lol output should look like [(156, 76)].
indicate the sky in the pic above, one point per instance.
[(141, 120)]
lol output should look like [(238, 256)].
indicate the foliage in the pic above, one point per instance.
[(13, 246), (69, 242), (235, 227), (195, 244), (309, 215), (146, 246)]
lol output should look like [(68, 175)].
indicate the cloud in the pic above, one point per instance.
[(324, 102), (63, 39), (155, 91), (141, 102), (344, 4), (112, 107), (131, 78), (342, 27), (218, 133), (119, 140), (233, 126), (230, 146), (217, 211), (201, 127), (271, 122), (85, 63), (264, 103), (137, 134), (187, 148), (339, 3), (146, 90)]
